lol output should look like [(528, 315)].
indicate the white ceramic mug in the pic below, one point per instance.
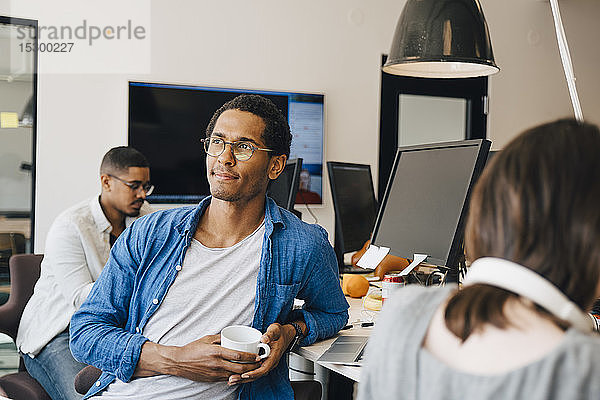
[(244, 338)]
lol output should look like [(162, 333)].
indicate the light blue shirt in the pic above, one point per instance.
[(297, 261)]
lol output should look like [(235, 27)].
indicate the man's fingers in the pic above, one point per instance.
[(239, 368), (257, 373), (238, 356), (273, 333), (237, 379)]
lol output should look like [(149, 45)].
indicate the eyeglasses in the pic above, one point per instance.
[(136, 186), (242, 150)]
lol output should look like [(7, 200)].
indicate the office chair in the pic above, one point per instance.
[(24, 273), (86, 378), (306, 390), (10, 244)]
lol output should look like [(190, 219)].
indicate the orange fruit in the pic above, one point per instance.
[(354, 285)]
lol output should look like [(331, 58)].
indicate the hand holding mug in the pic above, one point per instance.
[(202, 360), (244, 338), (278, 338)]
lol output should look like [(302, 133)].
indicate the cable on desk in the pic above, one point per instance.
[(308, 208), (365, 314)]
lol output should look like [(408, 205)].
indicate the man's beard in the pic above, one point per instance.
[(257, 188), (222, 194), (133, 213)]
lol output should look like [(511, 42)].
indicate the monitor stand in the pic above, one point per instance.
[(344, 268)]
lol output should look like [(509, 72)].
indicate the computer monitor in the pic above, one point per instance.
[(166, 122), (283, 189), (354, 205), (425, 203)]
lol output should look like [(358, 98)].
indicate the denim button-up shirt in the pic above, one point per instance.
[(296, 261)]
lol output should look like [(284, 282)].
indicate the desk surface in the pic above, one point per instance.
[(314, 351)]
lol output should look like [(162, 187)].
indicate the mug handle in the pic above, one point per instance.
[(266, 348)]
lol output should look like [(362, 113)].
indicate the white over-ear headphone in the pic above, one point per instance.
[(524, 282)]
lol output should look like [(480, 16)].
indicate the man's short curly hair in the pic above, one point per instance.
[(276, 135), (119, 159)]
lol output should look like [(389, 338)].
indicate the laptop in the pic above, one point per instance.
[(346, 350)]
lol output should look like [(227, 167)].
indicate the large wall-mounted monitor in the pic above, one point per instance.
[(425, 203), (167, 121)]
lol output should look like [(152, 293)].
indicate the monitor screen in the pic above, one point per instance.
[(354, 205), (425, 200), (283, 189), (166, 123)]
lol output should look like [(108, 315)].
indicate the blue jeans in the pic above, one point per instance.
[(55, 368)]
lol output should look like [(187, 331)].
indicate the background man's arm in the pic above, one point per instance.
[(65, 253)]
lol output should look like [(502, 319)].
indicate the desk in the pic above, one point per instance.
[(314, 351)]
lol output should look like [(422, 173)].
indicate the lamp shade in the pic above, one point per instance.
[(441, 39)]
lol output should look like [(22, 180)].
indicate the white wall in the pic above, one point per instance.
[(531, 86), (331, 46)]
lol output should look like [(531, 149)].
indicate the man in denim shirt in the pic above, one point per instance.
[(176, 278)]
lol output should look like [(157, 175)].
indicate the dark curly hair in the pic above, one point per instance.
[(276, 135)]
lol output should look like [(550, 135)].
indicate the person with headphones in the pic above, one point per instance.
[(518, 327)]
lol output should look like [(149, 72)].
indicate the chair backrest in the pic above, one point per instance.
[(10, 243), (24, 273)]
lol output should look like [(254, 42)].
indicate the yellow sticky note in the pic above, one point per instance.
[(9, 120)]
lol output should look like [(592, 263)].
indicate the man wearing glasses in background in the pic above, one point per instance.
[(180, 276), (77, 247)]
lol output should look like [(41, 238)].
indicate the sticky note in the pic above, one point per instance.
[(373, 256), (367, 257), (417, 259), (9, 120)]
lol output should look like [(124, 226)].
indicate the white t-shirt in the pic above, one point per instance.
[(215, 288)]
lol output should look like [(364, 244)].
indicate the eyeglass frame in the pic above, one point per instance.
[(132, 186), (206, 142)]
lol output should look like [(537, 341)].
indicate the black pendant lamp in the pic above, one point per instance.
[(441, 39)]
